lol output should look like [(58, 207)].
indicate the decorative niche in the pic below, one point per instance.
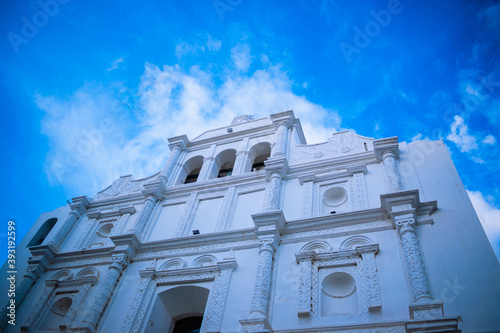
[(334, 193), (338, 283)]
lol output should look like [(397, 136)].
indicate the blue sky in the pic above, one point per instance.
[(91, 90)]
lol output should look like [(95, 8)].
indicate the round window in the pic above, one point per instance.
[(339, 285), (335, 196)]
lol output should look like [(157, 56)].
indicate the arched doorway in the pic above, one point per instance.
[(178, 310)]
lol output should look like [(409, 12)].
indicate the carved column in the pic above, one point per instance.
[(145, 213), (419, 283), (282, 122), (177, 145), (153, 191), (387, 151), (304, 259), (104, 293), (275, 171), (280, 145), (269, 227), (79, 206), (272, 196), (262, 286), (392, 171)]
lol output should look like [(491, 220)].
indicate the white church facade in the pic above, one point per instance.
[(248, 229)]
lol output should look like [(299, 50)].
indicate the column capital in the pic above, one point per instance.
[(405, 223), (286, 118), (406, 202), (227, 263), (268, 243), (126, 244), (305, 256), (382, 146), (156, 188), (276, 165), (181, 142), (80, 204), (269, 223)]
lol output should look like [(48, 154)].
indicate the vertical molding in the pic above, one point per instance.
[(307, 194), (223, 219), (141, 302), (212, 320), (77, 301), (186, 215), (369, 275), (360, 191), (87, 234), (305, 265)]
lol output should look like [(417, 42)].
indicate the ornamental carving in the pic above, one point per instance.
[(221, 275), (337, 145), (314, 268), (121, 186), (415, 269)]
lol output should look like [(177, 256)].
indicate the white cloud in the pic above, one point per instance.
[(114, 64), (213, 44), (240, 54), (460, 135), (183, 48), (96, 136), (489, 140), (489, 217)]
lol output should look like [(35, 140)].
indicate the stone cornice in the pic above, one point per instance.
[(406, 202), (335, 220), (197, 240), (248, 178), (98, 213), (231, 137), (181, 141), (332, 175), (325, 165)]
